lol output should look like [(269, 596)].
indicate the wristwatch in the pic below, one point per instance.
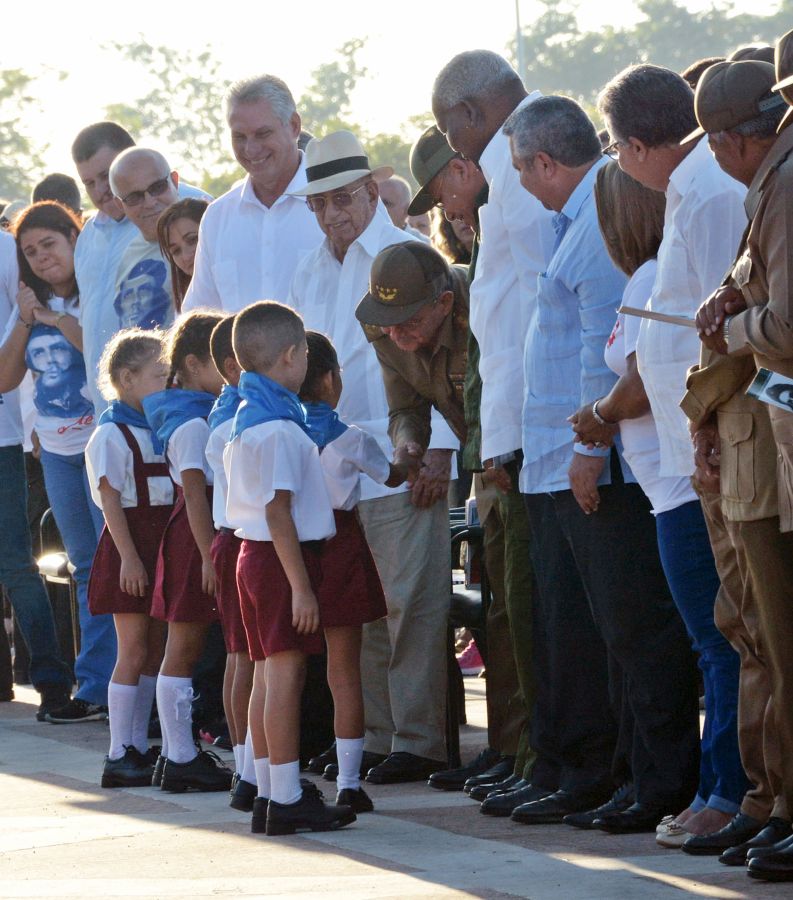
[(61, 315), (598, 418)]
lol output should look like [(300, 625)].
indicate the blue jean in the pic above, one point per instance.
[(687, 559), (20, 577), (80, 522)]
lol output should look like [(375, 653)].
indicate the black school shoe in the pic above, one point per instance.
[(259, 809), (156, 775), (204, 773), (454, 779), (499, 771), (243, 795), (77, 711), (131, 770), (357, 800), (368, 761), (317, 764), (53, 696), (401, 767), (310, 813)]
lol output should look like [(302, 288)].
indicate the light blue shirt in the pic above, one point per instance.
[(564, 368)]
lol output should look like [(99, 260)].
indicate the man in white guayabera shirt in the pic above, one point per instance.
[(252, 238), (403, 656)]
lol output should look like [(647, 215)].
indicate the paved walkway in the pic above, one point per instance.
[(62, 836)]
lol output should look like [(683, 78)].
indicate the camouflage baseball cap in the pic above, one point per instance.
[(428, 156)]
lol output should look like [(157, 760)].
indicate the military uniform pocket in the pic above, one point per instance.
[(736, 431)]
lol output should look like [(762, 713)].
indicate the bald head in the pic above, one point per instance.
[(395, 194), (144, 184)]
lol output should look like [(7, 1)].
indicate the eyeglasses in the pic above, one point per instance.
[(340, 199), (611, 150), (155, 189)]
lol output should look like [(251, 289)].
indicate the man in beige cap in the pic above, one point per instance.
[(737, 110), (404, 655)]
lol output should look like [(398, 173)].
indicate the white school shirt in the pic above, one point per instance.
[(344, 459), (216, 444), (100, 260), (11, 433), (703, 224), (108, 454), (640, 445), (248, 251), (326, 292), (276, 456), (187, 450), (64, 435), (516, 243)]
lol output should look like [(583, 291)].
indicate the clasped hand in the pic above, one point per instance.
[(726, 301)]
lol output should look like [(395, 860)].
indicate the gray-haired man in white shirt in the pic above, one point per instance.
[(252, 238)]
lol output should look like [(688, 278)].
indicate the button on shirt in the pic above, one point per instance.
[(516, 243), (703, 224), (326, 292), (564, 365), (247, 251)]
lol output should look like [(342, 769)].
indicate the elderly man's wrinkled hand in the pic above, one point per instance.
[(433, 480), (726, 301)]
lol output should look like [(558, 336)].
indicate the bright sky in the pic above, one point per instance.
[(408, 42)]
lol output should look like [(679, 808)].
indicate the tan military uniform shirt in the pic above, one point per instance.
[(764, 275), (415, 382)]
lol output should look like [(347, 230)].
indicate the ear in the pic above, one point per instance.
[(295, 125), (544, 164), (191, 363), (638, 148), (73, 237), (231, 368), (474, 115), (125, 378), (445, 302), (175, 179)]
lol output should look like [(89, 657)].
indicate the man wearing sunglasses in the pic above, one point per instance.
[(403, 655)]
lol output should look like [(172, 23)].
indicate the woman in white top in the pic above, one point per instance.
[(631, 220), (45, 337)]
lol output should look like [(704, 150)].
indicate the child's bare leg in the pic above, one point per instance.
[(286, 675), (228, 685), (344, 680), (256, 769)]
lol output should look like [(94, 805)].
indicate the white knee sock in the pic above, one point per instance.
[(121, 709), (174, 700), (285, 782), (239, 757), (262, 767), (248, 771), (349, 752), (147, 686)]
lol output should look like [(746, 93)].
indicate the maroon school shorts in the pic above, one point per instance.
[(266, 600), (178, 595), (351, 592), (225, 550)]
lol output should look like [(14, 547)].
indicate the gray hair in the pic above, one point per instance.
[(132, 155), (650, 103), (554, 125), (263, 87), (472, 74), (762, 126)]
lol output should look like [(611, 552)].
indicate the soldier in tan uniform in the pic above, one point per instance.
[(748, 323)]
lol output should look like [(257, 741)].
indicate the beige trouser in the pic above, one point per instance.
[(737, 614), (403, 659)]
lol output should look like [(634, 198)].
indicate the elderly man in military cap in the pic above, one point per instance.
[(404, 655), (736, 108), (751, 318)]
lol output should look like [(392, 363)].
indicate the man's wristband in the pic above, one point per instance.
[(726, 329), (596, 415)]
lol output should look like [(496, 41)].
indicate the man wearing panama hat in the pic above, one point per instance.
[(753, 315), (403, 656)]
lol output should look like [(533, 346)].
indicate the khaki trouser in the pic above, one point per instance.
[(403, 659), (738, 616)]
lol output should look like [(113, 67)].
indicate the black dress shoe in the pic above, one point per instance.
[(368, 761), (776, 865), (130, 770), (358, 801), (504, 804), (156, 775), (758, 852), (636, 819), (454, 779), (242, 795), (498, 771), (204, 773), (554, 807), (310, 813), (510, 783), (316, 765), (259, 817), (401, 767), (739, 829), (620, 800), (775, 830)]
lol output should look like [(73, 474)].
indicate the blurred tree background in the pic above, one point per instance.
[(181, 108)]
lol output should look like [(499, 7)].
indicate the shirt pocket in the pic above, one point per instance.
[(736, 430), (557, 321)]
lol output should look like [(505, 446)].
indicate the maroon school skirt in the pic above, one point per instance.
[(351, 592), (266, 600), (178, 596), (146, 526), (225, 550)]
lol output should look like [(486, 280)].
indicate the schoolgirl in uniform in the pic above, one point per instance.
[(350, 594), (184, 591), (129, 480)]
